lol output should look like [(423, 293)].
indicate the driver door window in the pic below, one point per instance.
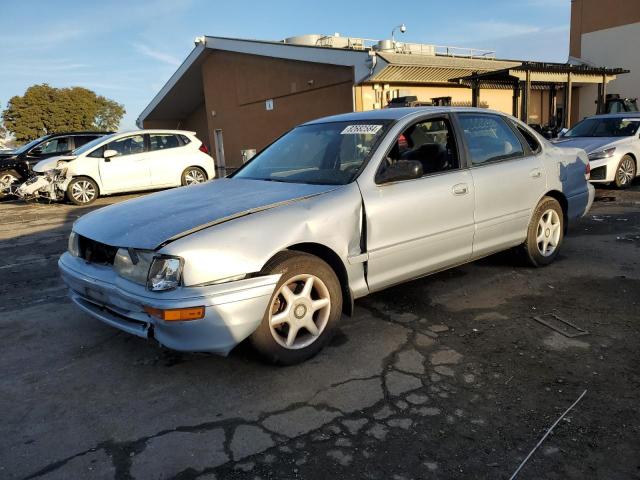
[(55, 146), (430, 142)]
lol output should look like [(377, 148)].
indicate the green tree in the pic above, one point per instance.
[(44, 109)]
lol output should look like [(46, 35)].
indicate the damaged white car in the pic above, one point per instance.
[(119, 163)]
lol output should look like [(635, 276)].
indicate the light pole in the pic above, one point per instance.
[(402, 27)]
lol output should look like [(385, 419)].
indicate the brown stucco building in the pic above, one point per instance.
[(239, 95), (607, 33)]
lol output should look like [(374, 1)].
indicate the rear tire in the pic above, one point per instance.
[(303, 312), (193, 176), (82, 191), (625, 172), (545, 233)]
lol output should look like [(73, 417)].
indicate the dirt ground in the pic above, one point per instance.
[(445, 377)]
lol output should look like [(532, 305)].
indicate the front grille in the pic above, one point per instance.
[(599, 173), (96, 252)]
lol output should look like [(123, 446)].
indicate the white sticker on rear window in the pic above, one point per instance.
[(361, 130)]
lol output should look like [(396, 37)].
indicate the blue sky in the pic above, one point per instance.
[(126, 50)]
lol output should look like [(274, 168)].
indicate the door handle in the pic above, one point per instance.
[(535, 173), (460, 189)]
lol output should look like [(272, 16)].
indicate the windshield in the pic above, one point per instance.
[(605, 127), (90, 145), (323, 153), (26, 147)]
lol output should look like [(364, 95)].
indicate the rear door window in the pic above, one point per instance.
[(83, 139), (163, 141), (489, 139)]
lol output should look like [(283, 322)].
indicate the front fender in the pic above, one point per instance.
[(245, 244)]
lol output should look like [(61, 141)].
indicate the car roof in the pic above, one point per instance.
[(397, 114), (66, 134), (617, 115), (156, 130)]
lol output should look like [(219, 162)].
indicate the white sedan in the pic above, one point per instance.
[(122, 162)]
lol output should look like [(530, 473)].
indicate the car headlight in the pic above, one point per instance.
[(165, 273), (606, 153), (74, 244), (146, 267)]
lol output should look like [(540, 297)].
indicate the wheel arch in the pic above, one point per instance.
[(564, 204), (199, 167), (333, 260)]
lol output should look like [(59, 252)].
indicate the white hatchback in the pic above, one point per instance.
[(124, 162)]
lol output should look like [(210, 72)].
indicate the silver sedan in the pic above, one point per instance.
[(612, 143), (335, 209)]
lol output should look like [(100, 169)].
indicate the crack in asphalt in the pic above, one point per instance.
[(123, 453)]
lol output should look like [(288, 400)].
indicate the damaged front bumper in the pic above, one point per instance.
[(232, 310), (51, 185)]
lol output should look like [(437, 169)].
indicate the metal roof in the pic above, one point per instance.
[(407, 68)]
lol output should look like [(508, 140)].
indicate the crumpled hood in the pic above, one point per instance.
[(150, 221), (589, 144), (51, 163)]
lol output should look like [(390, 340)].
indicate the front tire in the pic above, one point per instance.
[(303, 311), (82, 191), (625, 172), (193, 176), (545, 233)]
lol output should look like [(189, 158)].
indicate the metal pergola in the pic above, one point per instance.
[(541, 76)]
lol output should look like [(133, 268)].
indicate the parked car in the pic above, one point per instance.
[(122, 162), (335, 209), (612, 143), (16, 165)]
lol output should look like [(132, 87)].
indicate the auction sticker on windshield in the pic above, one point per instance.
[(361, 129)]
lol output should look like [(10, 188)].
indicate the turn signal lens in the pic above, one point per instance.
[(176, 314)]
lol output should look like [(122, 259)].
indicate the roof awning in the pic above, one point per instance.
[(541, 75)]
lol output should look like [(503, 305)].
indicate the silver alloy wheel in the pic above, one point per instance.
[(83, 191), (626, 171), (299, 312), (548, 233), (7, 179), (194, 176)]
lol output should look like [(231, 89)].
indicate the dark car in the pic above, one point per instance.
[(15, 165)]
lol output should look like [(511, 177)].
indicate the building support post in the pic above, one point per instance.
[(527, 98), (604, 93), (516, 98), (552, 106), (566, 121), (475, 93)]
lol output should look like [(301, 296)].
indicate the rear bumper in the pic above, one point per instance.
[(579, 205), (232, 311)]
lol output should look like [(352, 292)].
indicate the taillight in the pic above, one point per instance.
[(587, 171), (203, 148)]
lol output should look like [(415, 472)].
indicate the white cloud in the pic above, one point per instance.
[(156, 54)]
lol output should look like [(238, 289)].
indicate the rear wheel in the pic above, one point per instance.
[(545, 233), (303, 311), (82, 191), (193, 176), (625, 172)]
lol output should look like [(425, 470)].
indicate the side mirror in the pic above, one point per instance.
[(401, 170), (110, 154), (36, 151)]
